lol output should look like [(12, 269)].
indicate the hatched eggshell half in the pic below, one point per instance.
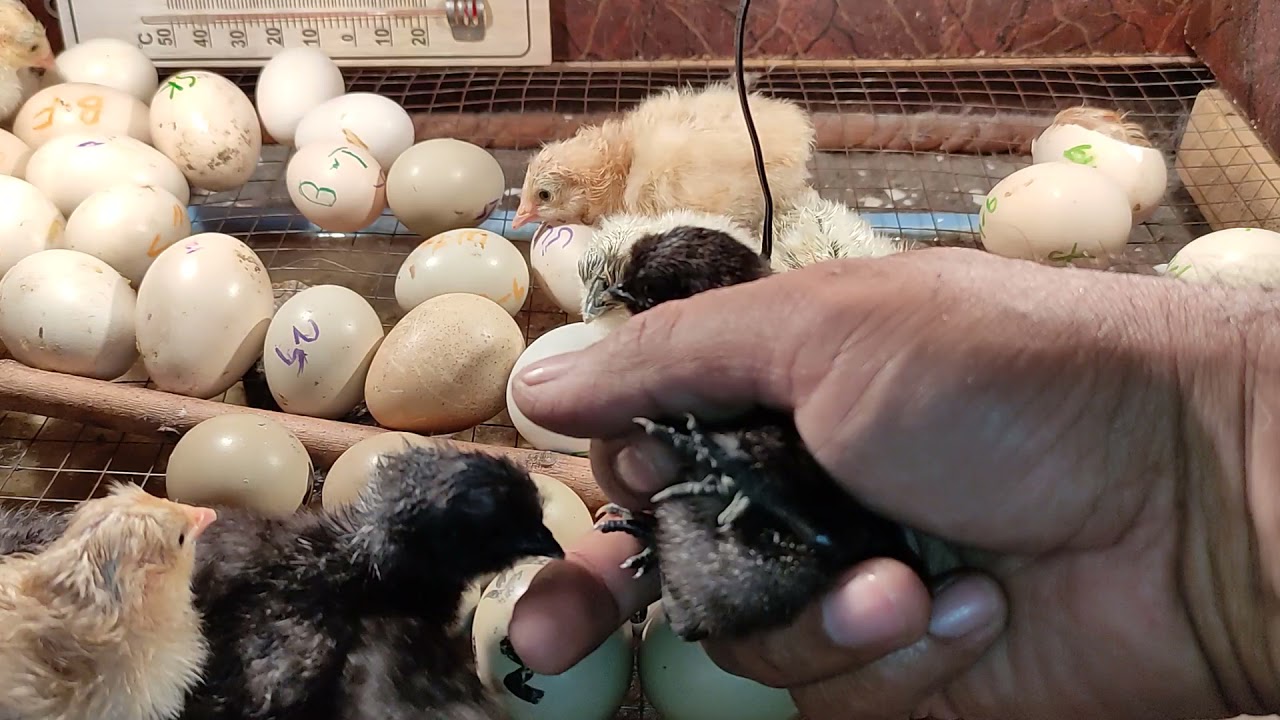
[(68, 312), (553, 258), (100, 162), (110, 62), (353, 469), (318, 350), (79, 108), (593, 689), (29, 222), (563, 511), (443, 367), (294, 82), (128, 226), (13, 155), (1055, 211), (461, 626), (1236, 257), (564, 339), (340, 187), (207, 126), (371, 121), (468, 260), (203, 312), (240, 460), (444, 184), (1141, 171)]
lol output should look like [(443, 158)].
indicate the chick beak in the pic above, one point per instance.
[(201, 519), (44, 63), (525, 214), (542, 544)]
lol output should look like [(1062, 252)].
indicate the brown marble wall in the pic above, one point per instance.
[(1237, 40)]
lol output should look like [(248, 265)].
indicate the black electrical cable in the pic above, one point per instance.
[(766, 232)]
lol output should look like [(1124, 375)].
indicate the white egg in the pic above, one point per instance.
[(294, 82), (78, 108), (203, 311), (564, 339), (318, 350), (1141, 171), (553, 257), (13, 155), (593, 689), (127, 226), (338, 186), (469, 260), (100, 162), (29, 222), (1236, 257), (444, 184), (110, 62), (68, 312), (372, 121), (207, 126), (682, 683), (1055, 211)]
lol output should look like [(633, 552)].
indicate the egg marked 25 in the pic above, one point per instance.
[(299, 355)]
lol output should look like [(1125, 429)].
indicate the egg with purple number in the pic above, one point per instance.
[(203, 312), (318, 350), (553, 257), (75, 108), (208, 127), (469, 260), (444, 184), (70, 168), (338, 186)]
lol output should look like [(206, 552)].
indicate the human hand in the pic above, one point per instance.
[(1050, 419)]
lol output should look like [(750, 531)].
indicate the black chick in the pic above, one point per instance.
[(304, 615), (757, 528)]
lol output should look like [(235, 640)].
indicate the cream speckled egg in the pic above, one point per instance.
[(241, 460), (351, 472), (563, 511), (110, 62), (469, 260), (443, 367), (13, 155), (79, 108), (100, 162), (553, 257), (203, 312), (294, 82), (564, 339), (318, 350), (1236, 257), (29, 222), (208, 127), (444, 184), (682, 683), (1141, 171), (68, 312), (371, 121), (593, 689), (127, 226), (1056, 211), (338, 186)]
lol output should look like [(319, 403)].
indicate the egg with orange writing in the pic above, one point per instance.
[(127, 226), (338, 186), (71, 108), (473, 261)]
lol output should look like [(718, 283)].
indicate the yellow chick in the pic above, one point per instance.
[(24, 46), (101, 624)]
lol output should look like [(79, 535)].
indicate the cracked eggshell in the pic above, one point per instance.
[(78, 108), (203, 312), (73, 167), (109, 62), (558, 341), (318, 349), (442, 368), (1055, 211), (29, 222), (14, 155), (68, 312), (1140, 171), (338, 186), (294, 82), (351, 472), (553, 257), (371, 121), (241, 460), (593, 689), (1236, 257), (127, 226), (444, 184), (208, 127), (468, 260)]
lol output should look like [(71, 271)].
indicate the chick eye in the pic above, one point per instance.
[(544, 195), (182, 539), (35, 48)]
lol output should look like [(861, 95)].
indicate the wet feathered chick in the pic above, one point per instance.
[(755, 529), (100, 622), (24, 46)]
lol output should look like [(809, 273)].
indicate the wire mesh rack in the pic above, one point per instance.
[(913, 185)]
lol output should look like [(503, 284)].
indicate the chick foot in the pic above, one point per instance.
[(639, 525)]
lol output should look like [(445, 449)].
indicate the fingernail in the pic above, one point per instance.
[(963, 608), (545, 371), (862, 613), (645, 466)]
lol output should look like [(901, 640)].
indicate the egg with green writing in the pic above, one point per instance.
[(1055, 212), (1140, 171), (338, 186), (208, 127), (1235, 257), (318, 349), (127, 226)]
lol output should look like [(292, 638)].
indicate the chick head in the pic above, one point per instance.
[(555, 188), (23, 42)]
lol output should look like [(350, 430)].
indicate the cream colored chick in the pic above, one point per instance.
[(679, 149), (100, 625), (23, 47), (819, 229)]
